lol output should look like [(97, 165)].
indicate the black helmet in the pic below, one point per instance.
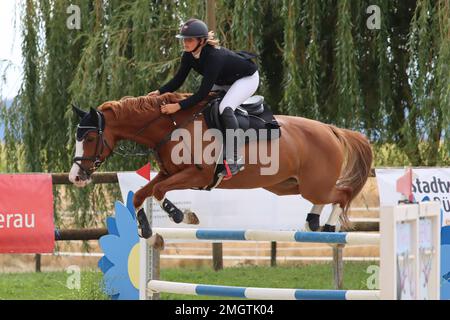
[(193, 28)]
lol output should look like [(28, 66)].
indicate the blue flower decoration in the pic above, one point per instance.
[(120, 264)]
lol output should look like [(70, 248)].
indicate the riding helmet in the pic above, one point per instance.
[(193, 28)]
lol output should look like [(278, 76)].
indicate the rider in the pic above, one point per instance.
[(222, 69)]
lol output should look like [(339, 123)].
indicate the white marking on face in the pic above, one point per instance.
[(75, 170)]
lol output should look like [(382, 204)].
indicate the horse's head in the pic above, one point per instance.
[(93, 145)]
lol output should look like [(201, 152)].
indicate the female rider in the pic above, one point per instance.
[(222, 69)]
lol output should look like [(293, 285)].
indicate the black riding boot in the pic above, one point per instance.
[(235, 161)]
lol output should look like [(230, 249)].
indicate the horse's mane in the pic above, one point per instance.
[(140, 105)]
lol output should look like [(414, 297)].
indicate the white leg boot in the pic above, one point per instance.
[(313, 218), (333, 220)]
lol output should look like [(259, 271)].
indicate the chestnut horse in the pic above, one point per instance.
[(323, 163)]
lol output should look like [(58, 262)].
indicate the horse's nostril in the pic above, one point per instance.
[(77, 178)]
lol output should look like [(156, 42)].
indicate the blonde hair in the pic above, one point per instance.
[(212, 40)]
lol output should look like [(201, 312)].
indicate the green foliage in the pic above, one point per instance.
[(388, 153), (317, 59), (52, 285), (392, 84), (2, 158), (346, 70)]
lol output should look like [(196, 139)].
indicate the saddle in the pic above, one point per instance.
[(253, 114)]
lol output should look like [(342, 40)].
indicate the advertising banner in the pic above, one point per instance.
[(26, 213), (428, 184)]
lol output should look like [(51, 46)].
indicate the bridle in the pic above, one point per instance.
[(99, 147)]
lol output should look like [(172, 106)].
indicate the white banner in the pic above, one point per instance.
[(229, 209), (428, 184)]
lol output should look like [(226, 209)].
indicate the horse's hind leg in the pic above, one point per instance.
[(330, 225), (313, 218), (339, 198), (291, 187), (320, 188)]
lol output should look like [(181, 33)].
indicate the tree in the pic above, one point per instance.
[(317, 59)]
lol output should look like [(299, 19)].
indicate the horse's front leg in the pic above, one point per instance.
[(144, 229), (175, 214), (186, 179), (147, 190)]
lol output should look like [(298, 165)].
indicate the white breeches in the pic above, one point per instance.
[(238, 92)]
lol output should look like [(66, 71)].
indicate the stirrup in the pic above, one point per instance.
[(227, 173)]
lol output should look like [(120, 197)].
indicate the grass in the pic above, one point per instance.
[(314, 276), (52, 285)]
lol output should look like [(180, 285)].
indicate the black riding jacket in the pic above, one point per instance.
[(217, 66)]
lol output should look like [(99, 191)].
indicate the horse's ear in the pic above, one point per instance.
[(78, 111), (93, 113)]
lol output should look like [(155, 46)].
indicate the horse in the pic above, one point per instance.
[(321, 162)]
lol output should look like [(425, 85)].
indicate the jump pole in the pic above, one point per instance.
[(422, 219)]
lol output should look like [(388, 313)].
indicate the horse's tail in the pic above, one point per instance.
[(356, 167)]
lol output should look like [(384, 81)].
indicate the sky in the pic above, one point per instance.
[(10, 47)]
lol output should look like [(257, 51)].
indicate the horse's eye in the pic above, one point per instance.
[(89, 139)]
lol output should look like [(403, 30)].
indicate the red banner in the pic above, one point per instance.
[(26, 213)]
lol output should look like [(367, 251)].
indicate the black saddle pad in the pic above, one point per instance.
[(264, 120), (247, 120)]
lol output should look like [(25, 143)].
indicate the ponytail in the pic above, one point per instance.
[(211, 40)]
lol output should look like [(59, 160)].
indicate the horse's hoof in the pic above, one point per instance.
[(144, 229), (313, 221), (156, 242), (329, 228), (190, 217)]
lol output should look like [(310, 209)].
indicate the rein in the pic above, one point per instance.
[(155, 150), (96, 159), (166, 138)]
